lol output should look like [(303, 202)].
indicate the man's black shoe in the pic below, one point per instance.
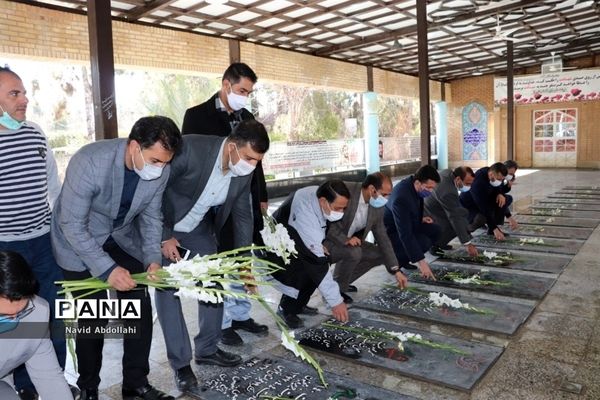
[(89, 394), (28, 394), (251, 326), (352, 289), (231, 338), (409, 267), (306, 310), (347, 299), (436, 251), (291, 320), (221, 358), (147, 392), (185, 379)]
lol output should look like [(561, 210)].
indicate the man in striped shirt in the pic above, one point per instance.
[(29, 185)]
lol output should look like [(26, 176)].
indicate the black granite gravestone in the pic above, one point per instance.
[(495, 315), (557, 221), (546, 245), (458, 368), (568, 200), (278, 379), (522, 260), (494, 280), (560, 213), (572, 204), (552, 231)]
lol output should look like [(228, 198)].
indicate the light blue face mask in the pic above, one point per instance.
[(464, 189), (378, 202), (8, 324), (9, 122)]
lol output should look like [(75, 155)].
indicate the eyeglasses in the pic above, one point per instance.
[(21, 314)]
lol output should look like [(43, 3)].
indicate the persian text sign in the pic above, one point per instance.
[(551, 88), (313, 155)]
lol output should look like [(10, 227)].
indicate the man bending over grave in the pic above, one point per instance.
[(352, 254), (444, 207), (503, 199), (305, 214), (410, 232), (481, 200)]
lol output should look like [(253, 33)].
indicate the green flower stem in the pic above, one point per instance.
[(282, 327), (384, 335)]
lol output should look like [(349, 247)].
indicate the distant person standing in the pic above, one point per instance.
[(218, 116), (29, 187)]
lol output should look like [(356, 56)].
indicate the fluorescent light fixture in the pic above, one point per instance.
[(477, 73)]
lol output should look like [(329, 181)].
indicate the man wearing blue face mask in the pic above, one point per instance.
[(218, 116), (503, 199), (410, 232), (444, 207), (352, 255), (481, 200), (107, 224), (29, 188), (24, 337)]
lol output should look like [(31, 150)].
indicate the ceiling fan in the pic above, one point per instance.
[(501, 35)]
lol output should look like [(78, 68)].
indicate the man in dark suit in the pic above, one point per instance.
[(202, 193), (410, 232), (352, 255), (107, 224), (504, 200), (443, 206), (481, 200), (218, 116)]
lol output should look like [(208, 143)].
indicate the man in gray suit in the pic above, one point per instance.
[(107, 224), (352, 255), (24, 336), (444, 207), (201, 194)]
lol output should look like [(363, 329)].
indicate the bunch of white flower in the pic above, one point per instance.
[(403, 337), (191, 277), (440, 299), (473, 279), (277, 239), (532, 240), (490, 254)]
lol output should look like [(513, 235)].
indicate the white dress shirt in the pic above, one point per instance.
[(214, 194), (360, 218)]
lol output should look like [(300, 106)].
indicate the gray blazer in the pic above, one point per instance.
[(89, 203), (30, 344), (444, 207), (190, 171), (338, 231)]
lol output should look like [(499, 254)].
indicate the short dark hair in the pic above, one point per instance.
[(149, 130), (16, 277), (376, 179), (463, 171), (333, 188), (511, 164), (7, 70), (426, 173), (237, 71), (499, 168), (252, 132)]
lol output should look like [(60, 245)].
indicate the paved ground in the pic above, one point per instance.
[(558, 345)]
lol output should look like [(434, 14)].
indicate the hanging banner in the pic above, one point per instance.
[(551, 88), (314, 155)]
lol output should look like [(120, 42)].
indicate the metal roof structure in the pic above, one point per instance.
[(465, 37)]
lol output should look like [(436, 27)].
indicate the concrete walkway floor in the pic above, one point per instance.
[(557, 349)]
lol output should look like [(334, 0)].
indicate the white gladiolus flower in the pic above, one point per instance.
[(291, 344), (490, 254), (439, 300), (277, 239)]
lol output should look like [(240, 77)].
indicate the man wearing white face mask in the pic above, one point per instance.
[(202, 193), (352, 255), (444, 207), (305, 213), (503, 199), (218, 116), (481, 203), (107, 224)]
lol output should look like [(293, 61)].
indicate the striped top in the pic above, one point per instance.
[(27, 171)]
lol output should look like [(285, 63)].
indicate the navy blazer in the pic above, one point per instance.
[(482, 197), (403, 216)]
